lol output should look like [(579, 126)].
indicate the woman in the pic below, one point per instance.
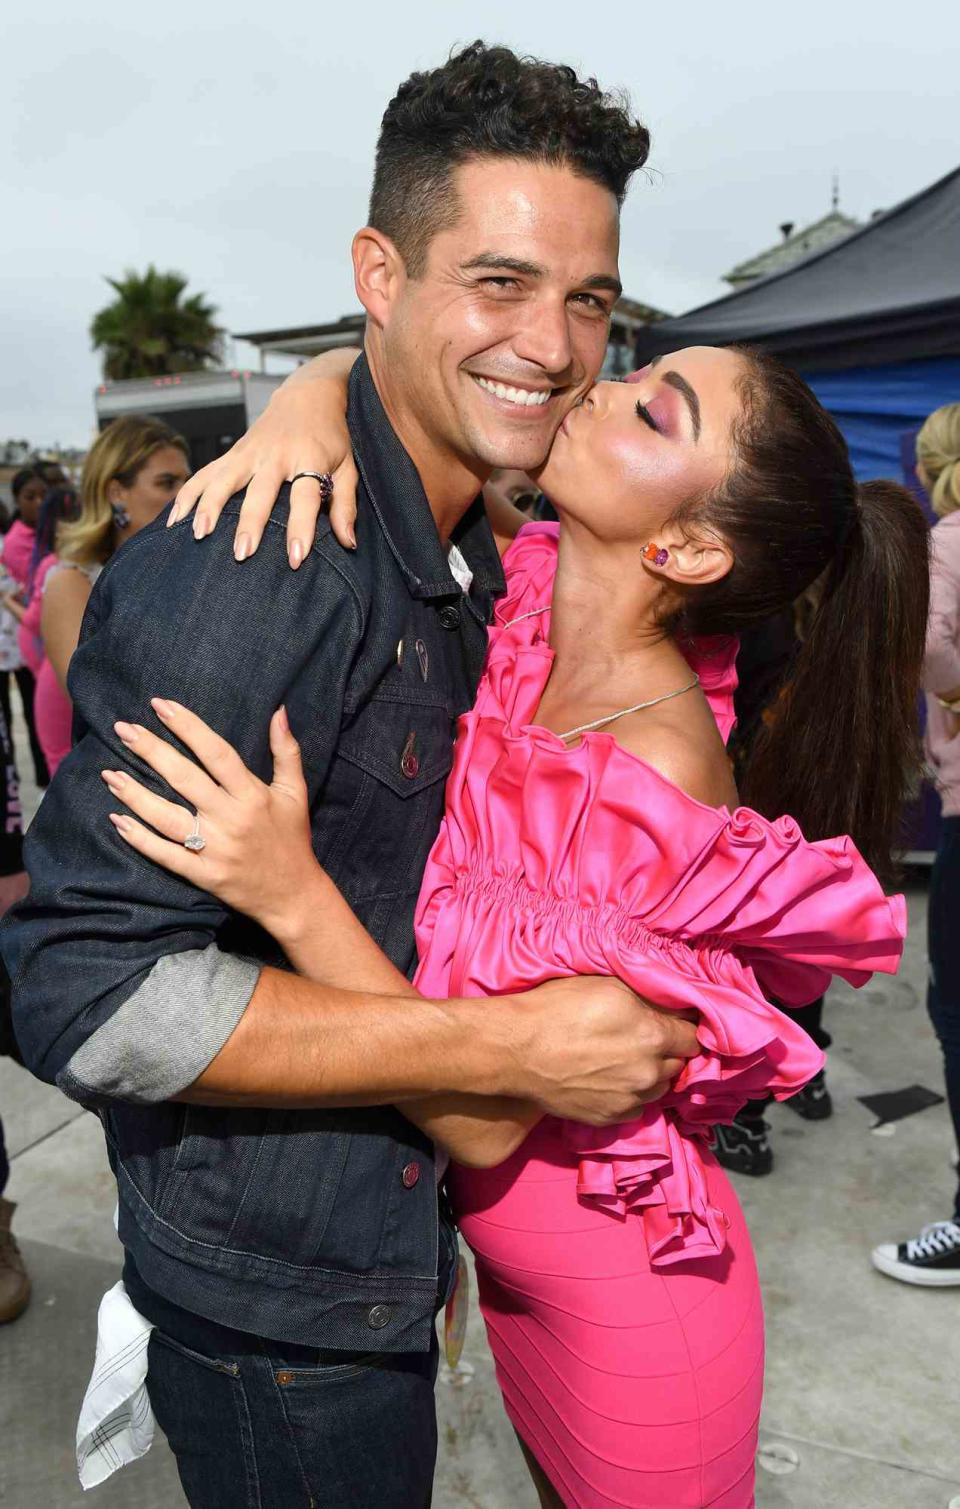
[(592, 826), (61, 504), (132, 471), (29, 488), (932, 1258)]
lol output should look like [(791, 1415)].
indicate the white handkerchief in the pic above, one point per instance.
[(116, 1422)]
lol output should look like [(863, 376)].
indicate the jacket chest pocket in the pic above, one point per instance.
[(395, 759)]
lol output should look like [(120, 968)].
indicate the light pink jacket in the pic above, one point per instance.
[(942, 667)]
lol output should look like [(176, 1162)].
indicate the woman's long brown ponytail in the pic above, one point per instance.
[(840, 750)]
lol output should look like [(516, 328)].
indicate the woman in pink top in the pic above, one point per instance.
[(130, 474), (592, 827), (29, 487), (932, 1258)]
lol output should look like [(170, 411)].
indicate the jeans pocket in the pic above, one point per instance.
[(296, 1376), (363, 1432), (201, 1406)]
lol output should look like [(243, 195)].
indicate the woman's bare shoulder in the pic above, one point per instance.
[(685, 747)]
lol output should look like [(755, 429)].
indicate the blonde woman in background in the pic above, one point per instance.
[(131, 473), (933, 1258)]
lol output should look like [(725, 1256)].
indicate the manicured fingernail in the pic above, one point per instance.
[(201, 526), (127, 733), (173, 516), (123, 823), (351, 539), (163, 709), (241, 548), (113, 778), (295, 553), (282, 719)]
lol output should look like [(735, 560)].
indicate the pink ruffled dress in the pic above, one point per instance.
[(616, 1276)]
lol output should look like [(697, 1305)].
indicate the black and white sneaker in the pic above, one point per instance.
[(813, 1102), (743, 1146), (932, 1258)]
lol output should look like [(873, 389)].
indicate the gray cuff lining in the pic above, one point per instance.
[(163, 1036)]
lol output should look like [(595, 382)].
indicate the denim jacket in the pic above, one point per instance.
[(312, 1226)]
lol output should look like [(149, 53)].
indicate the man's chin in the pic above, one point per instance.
[(522, 452)]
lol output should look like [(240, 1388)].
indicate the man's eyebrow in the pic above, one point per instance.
[(495, 262), (604, 280), (688, 394)]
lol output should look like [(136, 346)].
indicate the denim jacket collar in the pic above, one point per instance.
[(399, 502)]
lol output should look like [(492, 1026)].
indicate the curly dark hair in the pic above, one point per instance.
[(488, 102)]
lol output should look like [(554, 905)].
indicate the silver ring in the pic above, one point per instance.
[(195, 841), (324, 478)]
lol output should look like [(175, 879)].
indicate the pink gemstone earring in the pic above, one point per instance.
[(655, 554)]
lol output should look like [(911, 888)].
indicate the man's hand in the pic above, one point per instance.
[(591, 1050)]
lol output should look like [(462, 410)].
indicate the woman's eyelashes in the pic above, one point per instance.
[(647, 417)]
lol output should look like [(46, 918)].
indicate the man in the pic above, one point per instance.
[(281, 1234)]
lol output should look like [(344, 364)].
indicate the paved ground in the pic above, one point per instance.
[(863, 1379)]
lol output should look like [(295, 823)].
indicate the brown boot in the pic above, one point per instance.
[(14, 1279)]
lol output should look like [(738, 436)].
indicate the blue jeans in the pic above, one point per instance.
[(257, 1424), (943, 943)]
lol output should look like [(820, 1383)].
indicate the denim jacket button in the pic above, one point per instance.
[(411, 1175), (449, 617), (379, 1317), (409, 763)]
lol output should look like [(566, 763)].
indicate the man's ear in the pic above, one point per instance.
[(379, 274), (695, 560)]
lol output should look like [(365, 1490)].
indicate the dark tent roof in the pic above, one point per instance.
[(888, 293)]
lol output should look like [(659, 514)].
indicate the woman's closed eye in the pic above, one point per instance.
[(645, 414)]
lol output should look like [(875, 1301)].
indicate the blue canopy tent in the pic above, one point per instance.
[(873, 324)]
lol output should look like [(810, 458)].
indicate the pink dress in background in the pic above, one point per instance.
[(16, 548), (52, 708), (615, 1271)]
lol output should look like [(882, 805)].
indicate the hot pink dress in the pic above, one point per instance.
[(615, 1271)]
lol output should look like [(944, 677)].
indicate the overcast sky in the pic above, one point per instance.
[(234, 143)]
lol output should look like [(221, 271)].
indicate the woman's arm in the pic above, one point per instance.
[(65, 597), (14, 604), (302, 429), (254, 834), (941, 671)]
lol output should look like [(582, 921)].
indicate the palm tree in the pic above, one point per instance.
[(150, 329)]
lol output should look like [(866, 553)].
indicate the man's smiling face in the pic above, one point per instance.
[(506, 328)]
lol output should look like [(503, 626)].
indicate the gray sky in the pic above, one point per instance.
[(234, 143)]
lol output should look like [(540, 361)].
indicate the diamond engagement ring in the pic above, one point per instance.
[(194, 841), (325, 480)]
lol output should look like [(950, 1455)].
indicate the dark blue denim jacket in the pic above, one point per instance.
[(311, 1226)]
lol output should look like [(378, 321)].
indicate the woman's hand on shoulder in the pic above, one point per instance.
[(302, 429)]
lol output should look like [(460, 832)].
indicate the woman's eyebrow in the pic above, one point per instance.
[(689, 396)]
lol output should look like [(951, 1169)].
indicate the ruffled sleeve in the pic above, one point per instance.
[(714, 659), (529, 566), (761, 914), (798, 913)]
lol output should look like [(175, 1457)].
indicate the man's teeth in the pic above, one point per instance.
[(521, 396)]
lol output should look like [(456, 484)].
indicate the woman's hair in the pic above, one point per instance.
[(118, 454), (938, 452), (840, 751), (33, 472), (61, 505)]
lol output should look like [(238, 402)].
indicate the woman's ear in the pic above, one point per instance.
[(378, 273), (694, 560)]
